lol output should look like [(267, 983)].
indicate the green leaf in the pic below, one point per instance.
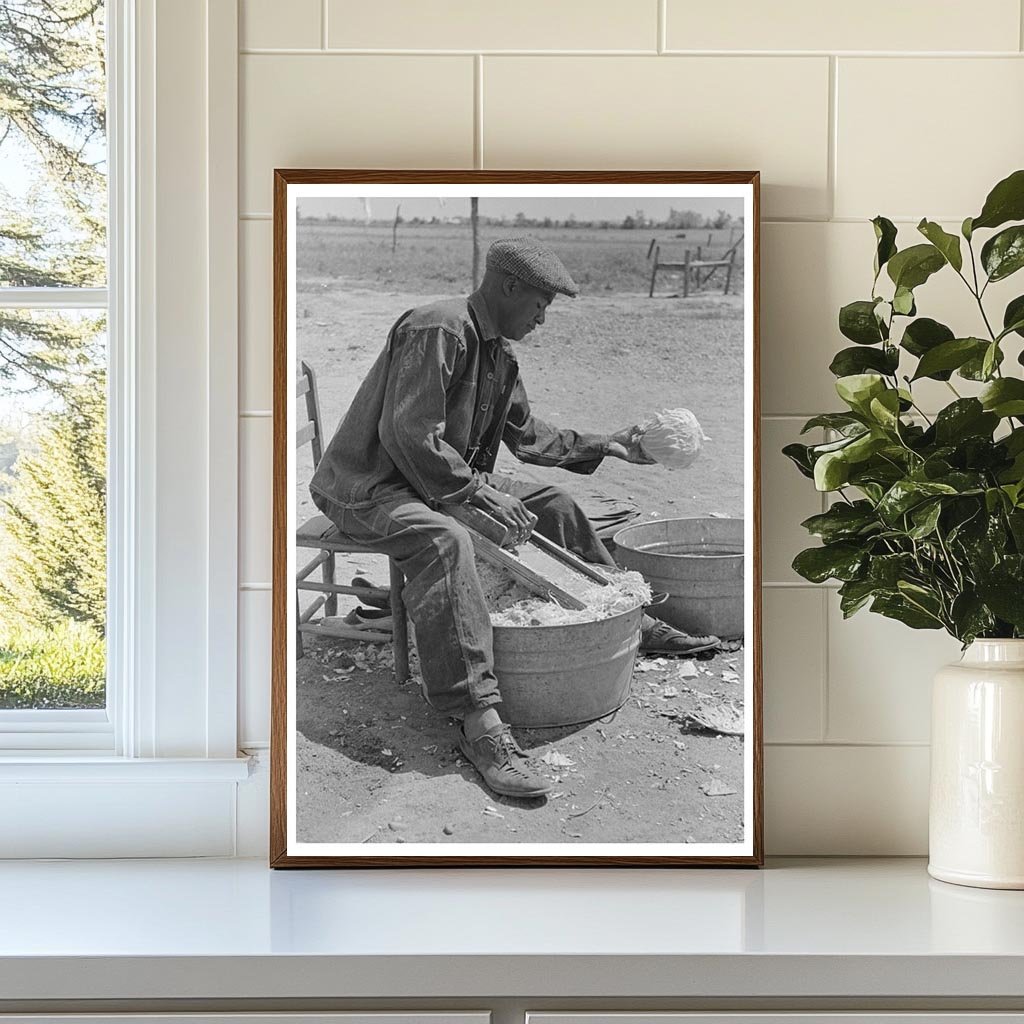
[(864, 447), (923, 335), (858, 389), (833, 421), (885, 409), (947, 244), (849, 361), (991, 360), (799, 455), (904, 495), (994, 499), (966, 417), (925, 518), (974, 368), (831, 471), (885, 237), (913, 266), (965, 228), (1014, 441), (950, 355), (1015, 492), (971, 617), (854, 594), (1003, 254), (857, 321), (840, 561), (1005, 202), (872, 491), (1013, 317), (1004, 397), (843, 521), (1005, 596), (903, 302), (886, 571)]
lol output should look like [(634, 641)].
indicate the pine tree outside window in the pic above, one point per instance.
[(53, 366)]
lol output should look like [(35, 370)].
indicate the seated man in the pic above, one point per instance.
[(422, 434)]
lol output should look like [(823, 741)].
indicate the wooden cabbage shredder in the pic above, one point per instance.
[(539, 565)]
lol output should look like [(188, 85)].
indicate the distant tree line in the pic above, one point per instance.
[(676, 220)]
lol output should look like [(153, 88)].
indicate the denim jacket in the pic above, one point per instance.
[(440, 397)]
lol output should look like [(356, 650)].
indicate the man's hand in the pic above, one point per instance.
[(625, 445), (509, 511)]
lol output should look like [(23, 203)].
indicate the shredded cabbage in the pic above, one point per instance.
[(511, 604)]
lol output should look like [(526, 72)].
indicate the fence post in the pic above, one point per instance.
[(728, 271), (654, 271), (686, 275)]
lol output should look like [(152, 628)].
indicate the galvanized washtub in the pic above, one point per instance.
[(698, 562), (565, 674)]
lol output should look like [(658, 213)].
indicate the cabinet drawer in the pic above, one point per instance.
[(851, 1017), (356, 1017)]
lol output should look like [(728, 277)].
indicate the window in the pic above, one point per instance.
[(53, 371)]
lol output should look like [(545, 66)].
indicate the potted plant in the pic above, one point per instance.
[(927, 521)]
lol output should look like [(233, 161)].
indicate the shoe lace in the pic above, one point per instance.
[(505, 752)]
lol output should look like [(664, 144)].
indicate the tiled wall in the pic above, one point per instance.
[(907, 109)]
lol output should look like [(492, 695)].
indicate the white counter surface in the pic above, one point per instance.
[(234, 929)]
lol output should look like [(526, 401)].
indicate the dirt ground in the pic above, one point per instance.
[(376, 764)]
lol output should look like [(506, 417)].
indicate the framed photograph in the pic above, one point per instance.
[(516, 556)]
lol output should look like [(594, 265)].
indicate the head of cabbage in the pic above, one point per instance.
[(673, 437)]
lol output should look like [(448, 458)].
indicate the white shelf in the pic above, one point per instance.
[(223, 929)]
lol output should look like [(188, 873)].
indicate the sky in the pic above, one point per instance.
[(584, 208)]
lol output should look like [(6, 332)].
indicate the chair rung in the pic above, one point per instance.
[(302, 387), (349, 547), (305, 434), (312, 564), (339, 588), (346, 632), (312, 609)]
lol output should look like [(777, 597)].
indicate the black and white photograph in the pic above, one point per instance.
[(515, 590)]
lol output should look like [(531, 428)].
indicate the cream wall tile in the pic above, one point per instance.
[(261, 24), (869, 25), (355, 111), (880, 676), (254, 506), (847, 801), (254, 616), (787, 498), (802, 288), (808, 271), (794, 663), (962, 128), (471, 25), (692, 113), (256, 301)]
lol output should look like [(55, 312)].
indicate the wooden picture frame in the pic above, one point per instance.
[(335, 250)]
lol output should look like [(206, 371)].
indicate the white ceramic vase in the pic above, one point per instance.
[(976, 814)]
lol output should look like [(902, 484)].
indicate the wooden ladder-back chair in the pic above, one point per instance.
[(322, 535)]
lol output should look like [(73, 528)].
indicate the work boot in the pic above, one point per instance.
[(657, 637), (501, 763)]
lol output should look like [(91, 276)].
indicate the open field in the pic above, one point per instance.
[(376, 763), (437, 259)]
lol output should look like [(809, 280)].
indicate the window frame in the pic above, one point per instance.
[(93, 729), (172, 303)]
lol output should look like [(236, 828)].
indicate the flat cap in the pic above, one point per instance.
[(533, 263)]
